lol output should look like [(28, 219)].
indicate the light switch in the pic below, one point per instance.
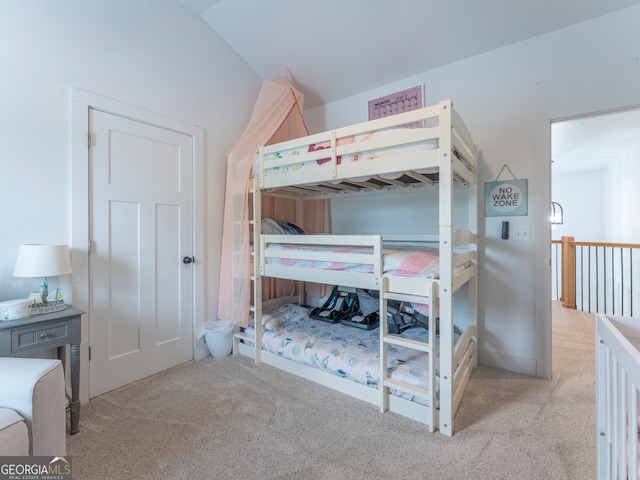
[(521, 234)]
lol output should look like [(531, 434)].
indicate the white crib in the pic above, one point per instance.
[(618, 383)]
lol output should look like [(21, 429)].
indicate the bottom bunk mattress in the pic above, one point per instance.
[(347, 352)]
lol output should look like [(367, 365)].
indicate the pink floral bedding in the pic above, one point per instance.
[(401, 261), (391, 135)]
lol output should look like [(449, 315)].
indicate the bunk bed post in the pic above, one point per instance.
[(473, 283), (257, 265), (445, 215), (300, 222), (434, 354), (384, 331)]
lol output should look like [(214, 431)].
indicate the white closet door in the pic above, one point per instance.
[(141, 227)]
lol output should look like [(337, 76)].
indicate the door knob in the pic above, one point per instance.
[(188, 260)]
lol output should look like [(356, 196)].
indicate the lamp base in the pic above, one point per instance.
[(44, 290)]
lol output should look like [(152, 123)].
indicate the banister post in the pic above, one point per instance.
[(568, 297)]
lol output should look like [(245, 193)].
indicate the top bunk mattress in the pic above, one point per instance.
[(386, 152), (377, 145)]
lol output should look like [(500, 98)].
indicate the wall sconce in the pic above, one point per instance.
[(557, 214), (43, 261)]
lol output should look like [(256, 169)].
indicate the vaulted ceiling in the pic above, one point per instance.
[(337, 48)]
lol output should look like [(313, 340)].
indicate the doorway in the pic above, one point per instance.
[(141, 229), (595, 163), (141, 275)]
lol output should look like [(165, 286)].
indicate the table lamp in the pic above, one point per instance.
[(35, 260)]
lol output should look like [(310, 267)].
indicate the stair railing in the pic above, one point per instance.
[(600, 277)]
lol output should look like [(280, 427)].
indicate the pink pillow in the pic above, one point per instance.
[(321, 146)]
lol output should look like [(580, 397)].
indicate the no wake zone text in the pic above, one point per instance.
[(506, 197)]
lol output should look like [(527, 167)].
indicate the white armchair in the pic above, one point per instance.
[(32, 407)]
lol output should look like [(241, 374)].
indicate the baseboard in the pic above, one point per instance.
[(507, 361)]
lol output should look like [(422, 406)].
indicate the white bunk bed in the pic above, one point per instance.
[(376, 157), (618, 384)]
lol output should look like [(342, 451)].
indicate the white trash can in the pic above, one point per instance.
[(218, 336)]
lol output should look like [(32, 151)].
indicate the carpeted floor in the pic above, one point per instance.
[(231, 419)]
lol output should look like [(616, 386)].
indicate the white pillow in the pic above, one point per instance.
[(280, 317), (271, 227)]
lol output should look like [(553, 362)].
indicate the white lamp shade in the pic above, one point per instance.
[(42, 261)]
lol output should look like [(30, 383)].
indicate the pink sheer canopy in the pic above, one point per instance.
[(277, 116)]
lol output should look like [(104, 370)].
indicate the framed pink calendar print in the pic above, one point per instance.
[(398, 102)]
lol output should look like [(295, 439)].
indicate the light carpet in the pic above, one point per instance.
[(231, 419)]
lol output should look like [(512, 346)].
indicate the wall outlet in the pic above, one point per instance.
[(521, 234)]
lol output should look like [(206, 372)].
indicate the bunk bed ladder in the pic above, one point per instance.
[(386, 339), (242, 340), (257, 277)]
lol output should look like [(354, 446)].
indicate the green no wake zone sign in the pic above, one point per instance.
[(505, 198)]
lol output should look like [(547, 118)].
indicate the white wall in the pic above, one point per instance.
[(600, 204), (152, 54), (584, 203), (627, 198), (508, 98), (395, 213)]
